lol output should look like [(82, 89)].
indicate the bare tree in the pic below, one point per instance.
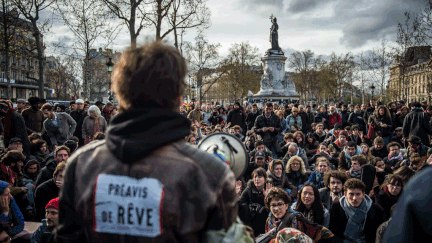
[(168, 16), (338, 72), (61, 75), (305, 66), (131, 13), (90, 25), (31, 10)]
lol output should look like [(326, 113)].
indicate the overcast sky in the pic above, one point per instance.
[(323, 26)]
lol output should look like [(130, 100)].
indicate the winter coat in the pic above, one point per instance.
[(297, 179), (43, 194), (251, 195), (291, 120), (273, 121), (250, 119), (375, 217), (345, 161), (314, 179), (18, 129), (88, 126), (155, 153), (311, 149), (417, 123), (79, 116), (14, 219), (302, 154), (386, 201), (320, 138), (345, 115), (382, 153), (215, 120), (326, 198), (43, 234), (305, 121), (357, 118), (355, 139), (283, 183), (237, 117), (46, 172), (335, 118), (320, 116), (384, 131), (61, 132), (33, 120)]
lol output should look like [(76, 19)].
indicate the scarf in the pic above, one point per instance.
[(398, 157), (356, 219), (10, 176), (339, 144), (355, 174), (348, 157)]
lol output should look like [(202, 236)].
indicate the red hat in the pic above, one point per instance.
[(344, 133), (54, 203)]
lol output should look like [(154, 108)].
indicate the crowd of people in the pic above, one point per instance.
[(328, 173), (317, 157)]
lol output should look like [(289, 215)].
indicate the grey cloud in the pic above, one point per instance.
[(259, 3), (299, 6)]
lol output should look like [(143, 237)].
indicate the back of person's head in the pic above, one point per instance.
[(34, 136), (74, 138), (149, 76), (72, 145), (12, 156), (416, 104), (47, 107), (59, 168)]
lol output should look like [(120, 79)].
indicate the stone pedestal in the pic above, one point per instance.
[(275, 84)]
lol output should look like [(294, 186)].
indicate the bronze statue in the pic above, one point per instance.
[(274, 34)]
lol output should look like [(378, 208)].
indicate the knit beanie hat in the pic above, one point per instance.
[(344, 133), (54, 203), (3, 186)]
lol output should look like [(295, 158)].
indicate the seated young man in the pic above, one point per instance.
[(332, 192), (319, 134), (357, 162), (348, 152), (341, 141), (355, 218), (44, 233), (395, 155), (260, 161), (259, 146), (379, 149), (317, 177), (355, 135)]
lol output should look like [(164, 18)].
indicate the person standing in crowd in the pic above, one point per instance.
[(79, 115), (44, 233), (48, 190), (10, 212), (344, 113), (13, 126), (370, 110), (93, 123), (304, 118), (195, 114), (21, 103), (251, 116), (59, 126), (237, 117), (384, 123), (106, 111), (322, 117), (268, 125), (156, 155), (355, 218), (417, 123), (332, 192), (33, 117), (207, 112), (334, 117), (99, 104), (72, 106), (61, 154)]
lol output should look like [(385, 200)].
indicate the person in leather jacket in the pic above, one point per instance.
[(144, 183), (268, 125)]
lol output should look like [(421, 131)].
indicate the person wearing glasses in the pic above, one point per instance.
[(44, 233), (281, 217), (390, 193)]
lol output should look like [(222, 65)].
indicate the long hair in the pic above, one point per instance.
[(386, 111), (95, 109), (317, 207), (368, 155), (298, 159)]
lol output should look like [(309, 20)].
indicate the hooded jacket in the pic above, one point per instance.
[(417, 123), (43, 194), (43, 234), (193, 191), (46, 172)]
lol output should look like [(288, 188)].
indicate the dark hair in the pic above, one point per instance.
[(276, 193), (268, 104), (151, 75), (354, 183), (260, 172), (351, 144), (392, 144), (62, 107), (61, 148), (353, 127), (405, 172), (258, 143), (5, 227), (74, 138), (317, 207), (34, 100), (47, 106), (13, 156), (289, 135), (34, 136), (376, 160), (416, 104), (337, 174), (36, 145), (359, 158), (394, 179), (310, 135)]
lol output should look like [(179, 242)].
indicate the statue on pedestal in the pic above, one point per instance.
[(274, 34)]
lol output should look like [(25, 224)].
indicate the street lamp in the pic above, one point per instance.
[(372, 87), (110, 67), (193, 93)]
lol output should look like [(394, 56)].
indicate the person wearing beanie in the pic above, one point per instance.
[(341, 141), (44, 233), (237, 116), (10, 212)]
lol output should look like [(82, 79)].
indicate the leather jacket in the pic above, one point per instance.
[(198, 190)]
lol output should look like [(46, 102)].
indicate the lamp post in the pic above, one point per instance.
[(193, 93), (372, 87), (110, 67)]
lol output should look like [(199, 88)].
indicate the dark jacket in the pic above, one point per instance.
[(357, 118), (157, 153), (305, 121), (311, 149), (369, 112), (297, 179), (237, 117), (411, 218), (18, 129), (326, 198), (319, 117), (43, 234), (320, 138), (283, 183), (43, 194), (46, 172), (355, 139), (215, 120), (384, 131), (382, 153), (375, 217), (250, 119), (79, 116), (60, 133), (33, 120), (272, 121), (345, 115), (417, 123), (386, 201)]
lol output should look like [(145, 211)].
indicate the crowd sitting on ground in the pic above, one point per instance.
[(314, 164), (306, 169)]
